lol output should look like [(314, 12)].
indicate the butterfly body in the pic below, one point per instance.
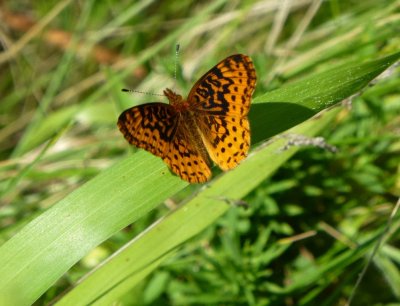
[(211, 123)]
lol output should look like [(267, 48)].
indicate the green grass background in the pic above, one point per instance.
[(85, 219)]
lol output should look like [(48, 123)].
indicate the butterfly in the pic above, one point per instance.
[(210, 124)]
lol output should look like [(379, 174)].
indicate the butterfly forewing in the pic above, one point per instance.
[(226, 89), (227, 139), (150, 126)]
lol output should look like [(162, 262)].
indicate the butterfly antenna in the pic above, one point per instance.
[(142, 92), (175, 74), (176, 64)]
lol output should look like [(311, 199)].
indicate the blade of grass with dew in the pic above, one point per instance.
[(36, 256)]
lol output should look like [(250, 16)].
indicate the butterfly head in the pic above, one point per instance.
[(174, 98)]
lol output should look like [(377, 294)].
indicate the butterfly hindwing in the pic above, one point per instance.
[(227, 139), (184, 160)]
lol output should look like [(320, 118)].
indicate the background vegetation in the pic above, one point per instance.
[(281, 229)]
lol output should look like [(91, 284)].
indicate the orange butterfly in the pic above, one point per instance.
[(211, 122)]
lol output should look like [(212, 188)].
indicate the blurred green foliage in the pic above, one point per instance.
[(58, 111)]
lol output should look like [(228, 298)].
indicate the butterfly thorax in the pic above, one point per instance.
[(173, 98), (188, 121)]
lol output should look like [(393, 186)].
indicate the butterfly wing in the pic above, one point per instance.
[(227, 139), (185, 160), (220, 101), (156, 127)]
